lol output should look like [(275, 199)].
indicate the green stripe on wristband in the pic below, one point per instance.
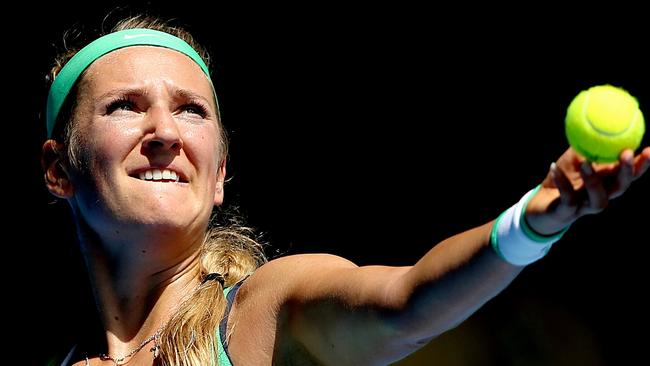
[(494, 236)]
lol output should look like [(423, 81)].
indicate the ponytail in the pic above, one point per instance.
[(190, 336)]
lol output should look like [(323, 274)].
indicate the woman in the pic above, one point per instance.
[(137, 149)]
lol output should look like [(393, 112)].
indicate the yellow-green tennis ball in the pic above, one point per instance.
[(603, 121)]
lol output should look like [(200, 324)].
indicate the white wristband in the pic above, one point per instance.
[(517, 243)]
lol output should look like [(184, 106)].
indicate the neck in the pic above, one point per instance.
[(136, 294)]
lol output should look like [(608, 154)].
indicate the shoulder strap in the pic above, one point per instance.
[(223, 355), (68, 359)]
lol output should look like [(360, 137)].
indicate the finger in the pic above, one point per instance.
[(642, 163), (568, 196), (596, 194), (625, 174)]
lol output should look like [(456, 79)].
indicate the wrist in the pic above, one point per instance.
[(515, 241), (536, 217)]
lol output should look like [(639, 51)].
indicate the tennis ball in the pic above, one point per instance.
[(602, 121)]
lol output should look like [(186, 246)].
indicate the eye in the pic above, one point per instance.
[(195, 108), (121, 104)]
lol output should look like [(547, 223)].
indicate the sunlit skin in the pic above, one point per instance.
[(145, 107), (574, 188), (141, 108)]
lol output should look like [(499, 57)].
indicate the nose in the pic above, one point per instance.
[(162, 132)]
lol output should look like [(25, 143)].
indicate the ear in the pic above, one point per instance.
[(57, 179), (221, 177)]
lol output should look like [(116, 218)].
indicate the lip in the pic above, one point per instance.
[(182, 177)]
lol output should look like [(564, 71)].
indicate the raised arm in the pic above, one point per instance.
[(343, 314)]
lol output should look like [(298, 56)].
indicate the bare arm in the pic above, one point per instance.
[(343, 314)]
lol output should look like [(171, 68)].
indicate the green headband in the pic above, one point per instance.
[(69, 74)]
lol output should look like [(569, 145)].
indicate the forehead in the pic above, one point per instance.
[(146, 66)]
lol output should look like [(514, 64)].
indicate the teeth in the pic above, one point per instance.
[(157, 174)]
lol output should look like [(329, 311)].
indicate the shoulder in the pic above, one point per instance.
[(294, 268), (284, 277), (259, 309), (308, 261)]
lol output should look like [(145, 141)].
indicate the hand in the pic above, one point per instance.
[(574, 188)]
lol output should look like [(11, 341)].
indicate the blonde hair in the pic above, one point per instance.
[(189, 337)]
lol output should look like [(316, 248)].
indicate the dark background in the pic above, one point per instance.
[(372, 133)]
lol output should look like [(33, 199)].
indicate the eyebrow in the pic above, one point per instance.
[(123, 91), (182, 93), (188, 94)]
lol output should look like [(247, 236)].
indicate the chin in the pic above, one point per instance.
[(172, 220)]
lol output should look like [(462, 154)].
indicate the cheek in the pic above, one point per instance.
[(202, 146), (104, 145)]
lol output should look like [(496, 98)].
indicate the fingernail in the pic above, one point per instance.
[(553, 170), (628, 158)]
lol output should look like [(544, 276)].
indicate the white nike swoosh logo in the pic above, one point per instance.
[(131, 36)]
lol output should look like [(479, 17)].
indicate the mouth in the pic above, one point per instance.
[(159, 175)]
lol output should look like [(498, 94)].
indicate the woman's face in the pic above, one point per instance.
[(148, 137)]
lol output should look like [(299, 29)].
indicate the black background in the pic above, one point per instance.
[(373, 133)]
